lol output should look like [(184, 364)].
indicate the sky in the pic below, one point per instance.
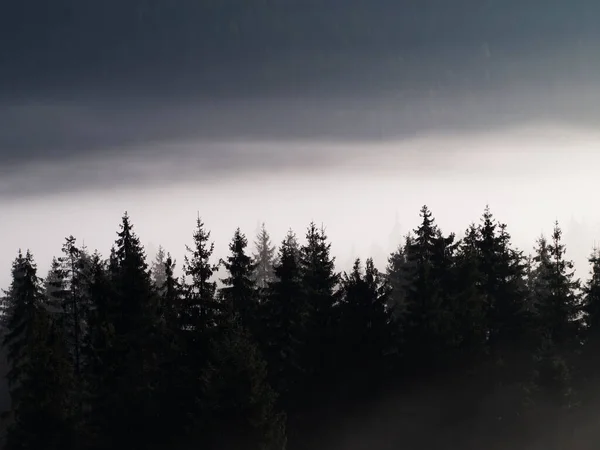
[(350, 113)]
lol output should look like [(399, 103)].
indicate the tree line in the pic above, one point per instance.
[(119, 352)]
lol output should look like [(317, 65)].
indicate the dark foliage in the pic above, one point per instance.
[(465, 341)]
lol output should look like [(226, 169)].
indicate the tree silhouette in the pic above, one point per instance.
[(200, 290), (264, 259), (239, 296), (40, 374), (465, 341), (283, 313), (158, 268), (366, 331)]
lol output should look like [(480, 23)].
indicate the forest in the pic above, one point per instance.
[(458, 343)]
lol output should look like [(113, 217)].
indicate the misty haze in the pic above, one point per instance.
[(286, 224)]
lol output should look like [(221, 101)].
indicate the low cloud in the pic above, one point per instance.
[(82, 108)]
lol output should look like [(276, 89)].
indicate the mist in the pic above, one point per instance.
[(205, 116), (529, 176)]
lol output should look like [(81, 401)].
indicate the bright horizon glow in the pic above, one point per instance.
[(530, 177)]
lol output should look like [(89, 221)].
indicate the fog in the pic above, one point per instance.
[(366, 194)]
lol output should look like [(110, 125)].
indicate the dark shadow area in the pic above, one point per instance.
[(458, 343)]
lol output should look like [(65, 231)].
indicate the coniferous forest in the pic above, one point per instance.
[(458, 343)]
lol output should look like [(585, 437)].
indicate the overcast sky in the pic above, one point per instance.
[(353, 113)]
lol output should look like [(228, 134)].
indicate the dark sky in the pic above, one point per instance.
[(82, 78), (233, 48), (108, 94)]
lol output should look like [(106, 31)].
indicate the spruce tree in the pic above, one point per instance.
[(199, 308), (190, 308), (537, 278), (503, 285), (182, 358), (68, 305), (508, 324), (320, 285), (55, 290), (158, 268), (429, 322), (131, 357), (489, 252), (101, 361), (238, 403), (530, 280), (131, 278), (75, 303), (284, 316), (264, 258), (397, 276), (239, 294), (558, 304), (591, 309), (171, 295), (24, 301), (470, 304), (39, 375), (557, 313), (366, 332), (589, 363), (443, 265)]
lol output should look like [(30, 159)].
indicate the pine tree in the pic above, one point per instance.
[(55, 290), (591, 309), (39, 375), (508, 324), (488, 249), (130, 357), (24, 301), (75, 304), (101, 361), (190, 309), (284, 316), (589, 362), (530, 280), (182, 358), (504, 288), (69, 306), (200, 290), (365, 326), (428, 327), (557, 313), (470, 305), (320, 289), (171, 295), (537, 279), (397, 275), (443, 265), (238, 403), (158, 269), (131, 277), (264, 258), (514, 288), (558, 304), (239, 295)]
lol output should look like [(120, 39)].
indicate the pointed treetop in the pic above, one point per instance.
[(264, 257), (291, 238), (427, 222), (424, 235), (288, 258), (158, 268), (239, 287), (128, 248), (197, 265)]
